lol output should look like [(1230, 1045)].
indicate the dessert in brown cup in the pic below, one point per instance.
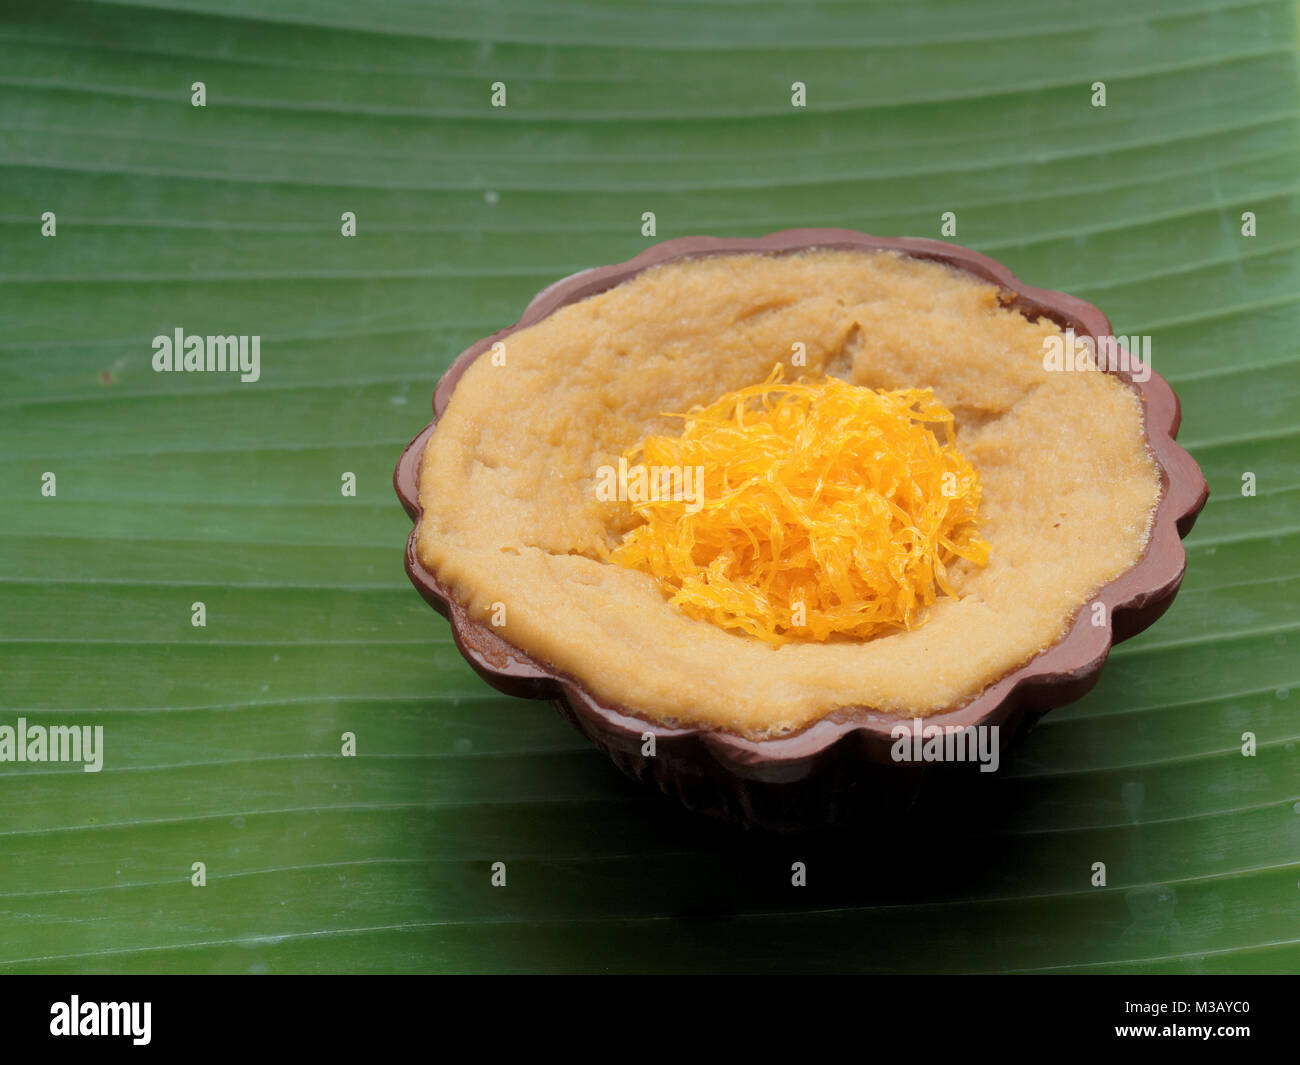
[(770, 753)]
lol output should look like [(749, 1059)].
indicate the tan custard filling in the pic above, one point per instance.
[(519, 521)]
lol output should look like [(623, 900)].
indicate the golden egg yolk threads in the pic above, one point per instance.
[(825, 509)]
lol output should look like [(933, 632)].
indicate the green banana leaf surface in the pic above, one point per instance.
[(227, 830)]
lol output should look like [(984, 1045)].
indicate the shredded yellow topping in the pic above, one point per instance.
[(823, 508)]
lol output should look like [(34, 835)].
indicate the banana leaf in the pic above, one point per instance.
[(223, 744)]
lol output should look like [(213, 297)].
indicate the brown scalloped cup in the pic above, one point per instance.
[(841, 764)]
